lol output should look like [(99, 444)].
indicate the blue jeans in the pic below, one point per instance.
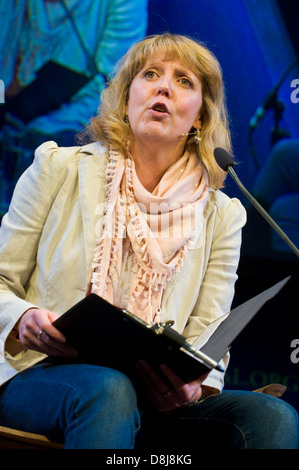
[(93, 407), (84, 406)]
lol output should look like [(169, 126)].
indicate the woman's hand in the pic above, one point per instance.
[(37, 332), (167, 397)]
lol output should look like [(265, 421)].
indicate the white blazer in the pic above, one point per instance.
[(48, 238)]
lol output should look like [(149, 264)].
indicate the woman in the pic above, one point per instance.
[(136, 217)]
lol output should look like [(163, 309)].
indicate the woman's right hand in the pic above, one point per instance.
[(37, 332)]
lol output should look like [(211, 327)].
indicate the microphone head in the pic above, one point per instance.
[(223, 158)]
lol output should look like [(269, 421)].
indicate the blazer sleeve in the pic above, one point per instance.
[(20, 232)]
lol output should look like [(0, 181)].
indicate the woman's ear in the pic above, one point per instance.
[(197, 123)]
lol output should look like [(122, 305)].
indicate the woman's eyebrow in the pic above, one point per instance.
[(180, 70), (183, 71), (156, 65)]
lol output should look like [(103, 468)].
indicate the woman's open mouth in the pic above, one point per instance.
[(159, 108)]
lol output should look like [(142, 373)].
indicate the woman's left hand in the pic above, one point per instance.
[(171, 393)]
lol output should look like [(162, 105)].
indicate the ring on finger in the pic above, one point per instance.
[(167, 394), (39, 336)]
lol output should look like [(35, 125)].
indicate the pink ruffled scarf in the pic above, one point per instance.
[(162, 227)]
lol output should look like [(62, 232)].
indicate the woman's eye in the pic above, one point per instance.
[(150, 74), (186, 82)]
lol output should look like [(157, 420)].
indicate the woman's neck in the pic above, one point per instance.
[(151, 163)]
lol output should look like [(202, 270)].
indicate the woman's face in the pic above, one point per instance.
[(164, 101)]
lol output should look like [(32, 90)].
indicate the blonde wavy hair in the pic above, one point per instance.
[(111, 127)]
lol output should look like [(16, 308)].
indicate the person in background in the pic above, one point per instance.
[(56, 58), (277, 189)]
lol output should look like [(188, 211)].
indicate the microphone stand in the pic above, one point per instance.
[(272, 102), (262, 211), (277, 133)]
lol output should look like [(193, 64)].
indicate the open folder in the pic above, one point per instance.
[(109, 336)]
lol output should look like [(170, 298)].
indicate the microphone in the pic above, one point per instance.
[(226, 163)]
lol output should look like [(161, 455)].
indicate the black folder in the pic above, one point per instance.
[(109, 336)]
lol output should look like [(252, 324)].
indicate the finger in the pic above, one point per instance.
[(49, 335), (46, 324), (35, 320), (52, 347), (172, 377), (186, 392), (34, 328), (160, 392), (34, 337), (151, 378), (166, 394)]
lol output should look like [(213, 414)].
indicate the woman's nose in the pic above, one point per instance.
[(164, 88)]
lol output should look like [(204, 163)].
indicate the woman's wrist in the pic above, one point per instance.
[(15, 330)]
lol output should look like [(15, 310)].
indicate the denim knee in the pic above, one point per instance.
[(115, 388), (100, 388), (269, 422), (105, 414)]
